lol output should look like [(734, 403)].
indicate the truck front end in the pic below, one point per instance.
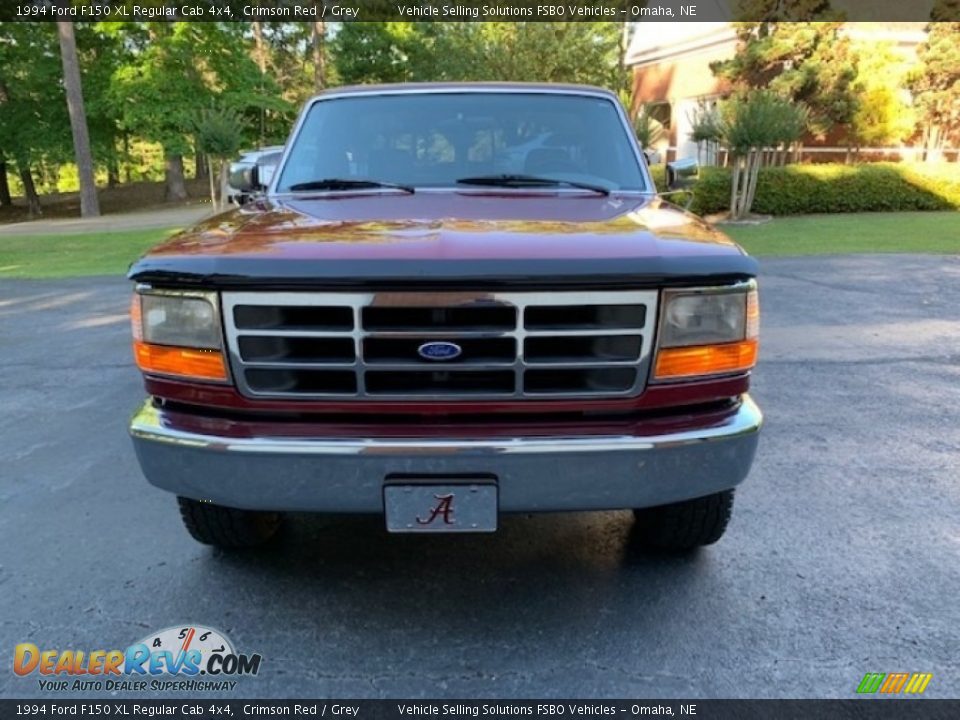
[(452, 302)]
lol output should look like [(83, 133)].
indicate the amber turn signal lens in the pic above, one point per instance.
[(185, 362), (683, 362)]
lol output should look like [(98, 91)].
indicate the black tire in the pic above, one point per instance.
[(685, 525), (227, 528)]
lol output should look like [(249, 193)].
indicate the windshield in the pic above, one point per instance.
[(436, 139)]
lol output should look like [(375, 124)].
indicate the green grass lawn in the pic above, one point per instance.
[(53, 256), (894, 232)]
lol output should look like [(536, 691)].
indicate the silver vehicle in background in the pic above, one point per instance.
[(266, 159)]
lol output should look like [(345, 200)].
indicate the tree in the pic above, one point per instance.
[(706, 132), (806, 62), (544, 52), (89, 205), (945, 11), (318, 42), (179, 69), (290, 64), (100, 53), (936, 86), (510, 51), (286, 57), (647, 128), (158, 91), (33, 124), (771, 11), (749, 125), (219, 136), (371, 52), (5, 199), (884, 115)]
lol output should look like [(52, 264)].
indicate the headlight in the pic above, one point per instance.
[(178, 334), (707, 331), (703, 319), (175, 320)]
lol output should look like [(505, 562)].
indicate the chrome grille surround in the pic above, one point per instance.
[(516, 345)]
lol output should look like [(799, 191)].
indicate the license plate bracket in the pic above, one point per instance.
[(440, 506)]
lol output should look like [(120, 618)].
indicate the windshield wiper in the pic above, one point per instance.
[(529, 181), (348, 184)]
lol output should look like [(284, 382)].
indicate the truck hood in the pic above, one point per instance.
[(433, 237)]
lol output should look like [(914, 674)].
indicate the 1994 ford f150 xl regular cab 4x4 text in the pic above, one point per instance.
[(449, 302)]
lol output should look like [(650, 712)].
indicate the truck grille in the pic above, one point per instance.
[(491, 345)]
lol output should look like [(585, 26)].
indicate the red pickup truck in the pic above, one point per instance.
[(450, 301)]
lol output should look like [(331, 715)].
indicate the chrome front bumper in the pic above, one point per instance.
[(577, 472)]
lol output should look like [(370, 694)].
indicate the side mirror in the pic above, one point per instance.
[(245, 177), (265, 175), (682, 174)]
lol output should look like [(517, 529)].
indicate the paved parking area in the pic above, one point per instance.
[(843, 556)]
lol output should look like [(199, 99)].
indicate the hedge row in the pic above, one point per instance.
[(832, 188)]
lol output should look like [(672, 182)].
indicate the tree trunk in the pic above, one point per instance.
[(113, 166), (744, 185), (50, 180), (259, 48), (5, 199), (89, 205), (318, 41), (734, 185), (224, 177), (200, 165), (743, 171), (30, 191), (213, 187), (176, 189), (754, 175), (126, 158), (260, 51), (934, 144)]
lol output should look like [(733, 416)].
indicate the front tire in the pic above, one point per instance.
[(227, 528), (685, 525)]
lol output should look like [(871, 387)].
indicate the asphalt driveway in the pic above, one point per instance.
[(843, 556), (142, 220)]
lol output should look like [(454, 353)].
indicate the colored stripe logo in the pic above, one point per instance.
[(894, 683)]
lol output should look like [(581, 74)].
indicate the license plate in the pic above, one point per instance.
[(451, 508)]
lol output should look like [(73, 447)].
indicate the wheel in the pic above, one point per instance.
[(225, 527), (685, 525)]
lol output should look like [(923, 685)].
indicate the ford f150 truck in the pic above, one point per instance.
[(449, 302)]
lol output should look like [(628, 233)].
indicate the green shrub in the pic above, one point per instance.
[(659, 175), (711, 194), (804, 189)]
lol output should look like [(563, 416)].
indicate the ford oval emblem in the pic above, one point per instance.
[(440, 350)]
